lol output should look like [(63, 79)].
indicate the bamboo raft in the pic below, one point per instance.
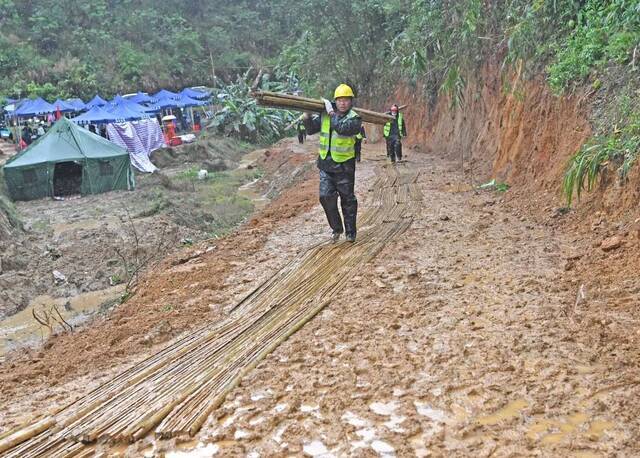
[(296, 102), (173, 392)]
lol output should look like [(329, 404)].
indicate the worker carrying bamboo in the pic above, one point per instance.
[(393, 132), (302, 132), (358, 146), (338, 127)]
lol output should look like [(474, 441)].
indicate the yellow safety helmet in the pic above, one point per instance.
[(343, 91)]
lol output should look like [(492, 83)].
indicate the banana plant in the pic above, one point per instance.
[(239, 116)]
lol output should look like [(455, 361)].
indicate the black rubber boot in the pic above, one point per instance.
[(329, 201), (345, 183)]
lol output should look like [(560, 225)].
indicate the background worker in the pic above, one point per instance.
[(338, 127), (302, 132), (393, 132), (358, 146)]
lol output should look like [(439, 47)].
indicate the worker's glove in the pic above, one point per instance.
[(328, 106)]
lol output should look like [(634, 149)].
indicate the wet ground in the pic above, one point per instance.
[(80, 237), (46, 314), (82, 241), (453, 342), (457, 340)]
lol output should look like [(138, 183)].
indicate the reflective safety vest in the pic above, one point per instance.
[(387, 126), (342, 147), (301, 128)]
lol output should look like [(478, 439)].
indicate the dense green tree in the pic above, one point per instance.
[(124, 45)]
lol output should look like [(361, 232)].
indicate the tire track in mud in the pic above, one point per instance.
[(174, 392)]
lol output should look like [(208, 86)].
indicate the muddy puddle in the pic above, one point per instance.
[(22, 329)]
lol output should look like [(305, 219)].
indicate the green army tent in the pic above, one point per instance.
[(68, 160)]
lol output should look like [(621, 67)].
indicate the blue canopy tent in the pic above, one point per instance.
[(141, 97), (165, 103), (194, 93), (120, 101), (96, 115), (97, 101), (191, 102), (63, 106), (164, 94), (30, 107), (123, 113), (179, 102), (76, 103)]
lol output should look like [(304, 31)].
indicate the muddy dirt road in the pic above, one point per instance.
[(458, 339), (454, 341)]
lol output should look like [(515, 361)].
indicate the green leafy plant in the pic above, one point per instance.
[(241, 117), (617, 151), (453, 85), (614, 148), (605, 32)]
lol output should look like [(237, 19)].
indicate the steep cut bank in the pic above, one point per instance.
[(517, 131), (509, 128)]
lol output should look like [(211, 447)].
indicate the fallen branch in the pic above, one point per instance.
[(44, 321), (61, 320)]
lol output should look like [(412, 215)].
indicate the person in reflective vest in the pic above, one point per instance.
[(393, 132), (358, 146), (302, 132), (338, 127)]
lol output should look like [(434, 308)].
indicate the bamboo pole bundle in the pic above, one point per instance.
[(176, 390), (26, 433), (295, 102)]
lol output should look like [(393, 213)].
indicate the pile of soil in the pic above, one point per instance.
[(10, 224), (209, 152)]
